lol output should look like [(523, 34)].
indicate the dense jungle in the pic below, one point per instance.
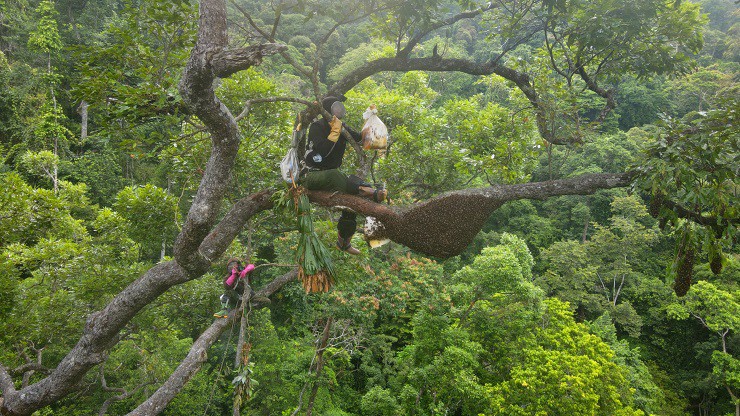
[(560, 228)]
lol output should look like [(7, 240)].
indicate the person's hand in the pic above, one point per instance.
[(246, 270), (336, 129)]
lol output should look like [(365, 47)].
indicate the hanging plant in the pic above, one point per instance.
[(244, 383), (315, 267)]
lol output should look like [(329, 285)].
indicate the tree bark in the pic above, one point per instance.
[(319, 365), (82, 110)]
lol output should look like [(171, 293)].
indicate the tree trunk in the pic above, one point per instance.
[(82, 110), (319, 365)]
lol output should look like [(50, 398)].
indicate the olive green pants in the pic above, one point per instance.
[(334, 180), (328, 180)]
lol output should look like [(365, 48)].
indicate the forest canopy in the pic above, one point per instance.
[(562, 210)]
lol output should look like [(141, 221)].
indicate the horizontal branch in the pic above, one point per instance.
[(29, 367), (711, 222), (432, 64), (230, 226), (249, 103), (445, 225), (469, 14)]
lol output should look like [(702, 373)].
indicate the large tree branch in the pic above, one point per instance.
[(7, 387), (199, 353), (207, 60), (608, 95), (708, 221), (445, 225), (438, 64), (434, 64)]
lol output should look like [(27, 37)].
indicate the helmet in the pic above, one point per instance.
[(233, 262)]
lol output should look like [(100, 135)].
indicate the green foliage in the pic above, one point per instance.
[(474, 335), (496, 140), (315, 266), (615, 36), (648, 396), (46, 38), (702, 89), (569, 372), (8, 287), (718, 310), (640, 102), (99, 168), (378, 402), (42, 164), (28, 214), (693, 163), (593, 274), (152, 213)]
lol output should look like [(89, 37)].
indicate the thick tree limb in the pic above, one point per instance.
[(434, 64), (207, 60), (445, 225), (29, 367), (199, 354), (608, 95), (233, 222), (438, 64), (707, 221), (7, 387)]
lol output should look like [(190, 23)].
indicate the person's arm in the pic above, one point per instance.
[(356, 136), (246, 270), (232, 279)]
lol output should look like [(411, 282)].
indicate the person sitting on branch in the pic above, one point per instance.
[(324, 153)]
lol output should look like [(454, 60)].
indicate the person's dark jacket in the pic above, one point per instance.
[(325, 154)]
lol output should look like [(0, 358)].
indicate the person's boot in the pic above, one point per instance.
[(224, 312), (346, 246)]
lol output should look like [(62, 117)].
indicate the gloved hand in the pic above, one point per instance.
[(336, 129), (231, 280), (246, 270)]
